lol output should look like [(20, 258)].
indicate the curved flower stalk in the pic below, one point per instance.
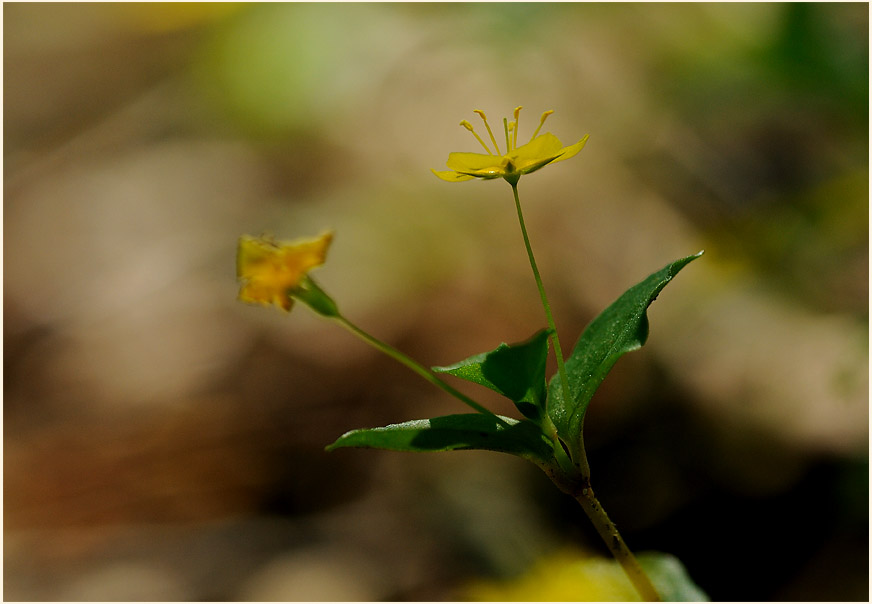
[(274, 272), (517, 161)]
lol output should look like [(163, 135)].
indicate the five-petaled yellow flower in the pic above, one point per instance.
[(540, 151), (270, 271)]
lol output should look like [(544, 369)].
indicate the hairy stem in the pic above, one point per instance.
[(609, 533)]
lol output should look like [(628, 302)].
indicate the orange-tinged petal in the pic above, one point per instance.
[(259, 293), (270, 270), (304, 255), (251, 252)]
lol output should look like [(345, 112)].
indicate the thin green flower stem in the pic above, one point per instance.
[(411, 364), (555, 340), (616, 545)]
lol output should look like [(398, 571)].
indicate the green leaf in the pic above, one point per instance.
[(619, 329), (670, 578), (516, 371), (454, 432)]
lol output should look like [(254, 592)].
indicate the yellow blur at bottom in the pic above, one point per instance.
[(567, 576)]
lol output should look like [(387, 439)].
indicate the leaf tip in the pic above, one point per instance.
[(338, 443)]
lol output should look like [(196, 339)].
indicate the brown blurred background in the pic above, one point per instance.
[(163, 441)]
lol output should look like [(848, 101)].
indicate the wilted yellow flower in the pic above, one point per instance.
[(540, 151), (270, 271)]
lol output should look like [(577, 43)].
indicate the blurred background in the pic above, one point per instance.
[(163, 441)]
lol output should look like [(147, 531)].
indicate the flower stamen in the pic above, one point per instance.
[(486, 125), (517, 113), (468, 126), (506, 128), (542, 121)]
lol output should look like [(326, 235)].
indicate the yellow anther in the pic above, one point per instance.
[(517, 113), (542, 121), (468, 126), (486, 125)]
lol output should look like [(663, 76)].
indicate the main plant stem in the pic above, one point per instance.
[(410, 363), (586, 498), (616, 545)]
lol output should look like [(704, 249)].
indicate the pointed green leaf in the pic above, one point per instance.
[(516, 371), (454, 432), (619, 329)]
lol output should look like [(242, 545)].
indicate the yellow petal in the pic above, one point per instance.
[(538, 152), (477, 164), (452, 176), (572, 149)]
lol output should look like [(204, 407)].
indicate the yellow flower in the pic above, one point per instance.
[(565, 576), (271, 272), (540, 151)]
